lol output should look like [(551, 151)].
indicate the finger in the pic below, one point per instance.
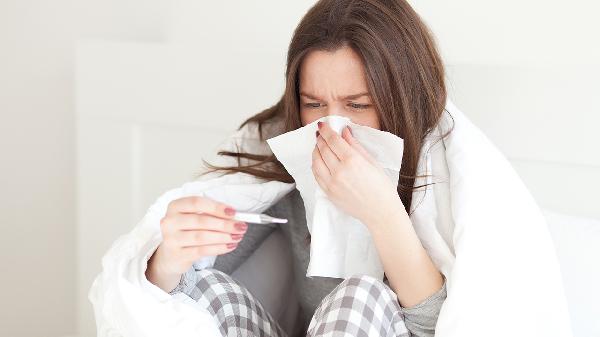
[(199, 204), (329, 158), (322, 184), (318, 165), (340, 147), (193, 221), (203, 238), (194, 253), (355, 144)]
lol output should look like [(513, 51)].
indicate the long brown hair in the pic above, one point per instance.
[(404, 71)]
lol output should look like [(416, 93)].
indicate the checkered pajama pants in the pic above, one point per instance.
[(358, 306)]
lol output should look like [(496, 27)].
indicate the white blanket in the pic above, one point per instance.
[(479, 224)]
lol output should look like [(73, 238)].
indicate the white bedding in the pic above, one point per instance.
[(482, 228), (577, 242)]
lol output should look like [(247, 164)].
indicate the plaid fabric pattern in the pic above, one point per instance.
[(358, 306), (237, 312)]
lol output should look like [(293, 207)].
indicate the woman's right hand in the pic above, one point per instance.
[(192, 228)]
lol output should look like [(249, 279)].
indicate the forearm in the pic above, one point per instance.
[(409, 269)]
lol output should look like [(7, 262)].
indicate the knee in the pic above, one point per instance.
[(232, 305), (219, 292), (365, 295), (216, 275), (358, 277), (364, 281), (211, 283), (367, 285)]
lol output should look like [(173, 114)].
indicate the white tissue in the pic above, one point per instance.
[(341, 246)]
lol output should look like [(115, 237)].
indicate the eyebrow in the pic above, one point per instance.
[(353, 96)]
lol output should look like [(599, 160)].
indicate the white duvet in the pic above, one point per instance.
[(479, 224)]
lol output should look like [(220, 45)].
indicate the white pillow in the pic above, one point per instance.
[(577, 242)]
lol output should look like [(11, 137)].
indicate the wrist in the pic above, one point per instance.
[(389, 212), (162, 277)]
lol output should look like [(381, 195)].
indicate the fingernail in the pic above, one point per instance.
[(231, 245), (319, 124), (349, 130), (229, 211), (241, 226), (236, 236)]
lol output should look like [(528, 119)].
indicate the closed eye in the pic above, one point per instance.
[(359, 106), (352, 105)]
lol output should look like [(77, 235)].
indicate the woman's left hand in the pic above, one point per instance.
[(351, 178)]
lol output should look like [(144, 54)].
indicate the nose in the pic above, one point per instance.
[(336, 108), (329, 109)]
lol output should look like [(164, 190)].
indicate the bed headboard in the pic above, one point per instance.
[(546, 121)]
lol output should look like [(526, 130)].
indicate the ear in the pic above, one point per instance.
[(347, 136)]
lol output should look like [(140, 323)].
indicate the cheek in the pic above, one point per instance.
[(370, 118), (375, 120)]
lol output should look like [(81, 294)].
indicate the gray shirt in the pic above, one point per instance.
[(420, 319)]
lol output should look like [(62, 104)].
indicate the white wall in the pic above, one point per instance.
[(37, 170), (513, 32)]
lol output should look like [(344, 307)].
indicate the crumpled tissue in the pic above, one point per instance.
[(341, 245)]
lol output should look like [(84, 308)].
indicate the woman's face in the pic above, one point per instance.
[(333, 83)]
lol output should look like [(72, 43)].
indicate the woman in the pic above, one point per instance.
[(376, 63)]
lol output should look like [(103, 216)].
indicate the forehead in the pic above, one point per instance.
[(333, 73)]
